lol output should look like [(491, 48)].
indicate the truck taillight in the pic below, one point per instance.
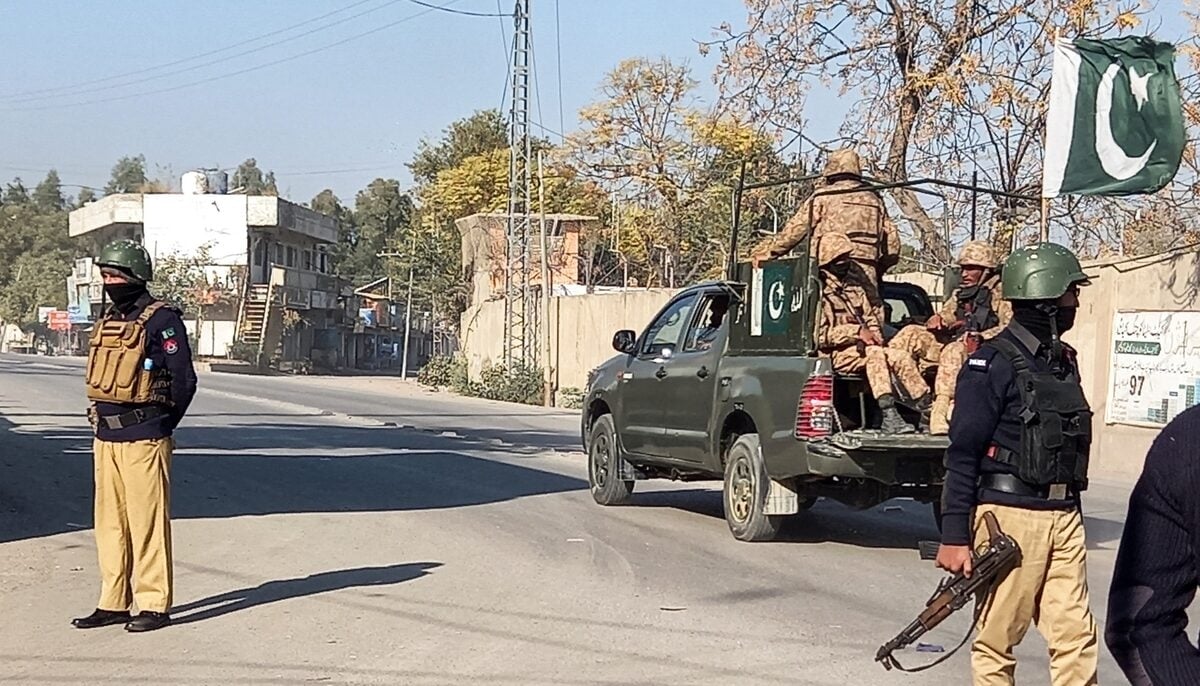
[(814, 412)]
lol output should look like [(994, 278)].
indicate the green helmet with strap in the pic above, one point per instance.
[(1041, 272), (129, 257)]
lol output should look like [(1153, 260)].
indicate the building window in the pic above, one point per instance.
[(323, 262), (291, 256), (308, 260), (279, 253)]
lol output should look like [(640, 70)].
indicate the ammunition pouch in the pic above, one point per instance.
[(115, 368)]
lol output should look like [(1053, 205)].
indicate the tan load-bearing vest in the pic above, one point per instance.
[(115, 357)]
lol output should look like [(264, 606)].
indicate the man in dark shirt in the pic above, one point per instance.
[(1019, 438), (140, 381), (1156, 574)]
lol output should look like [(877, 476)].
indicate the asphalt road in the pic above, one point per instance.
[(365, 531)]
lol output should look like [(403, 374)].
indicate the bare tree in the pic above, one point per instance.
[(939, 87)]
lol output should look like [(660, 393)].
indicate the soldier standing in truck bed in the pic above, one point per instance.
[(860, 216), (851, 333)]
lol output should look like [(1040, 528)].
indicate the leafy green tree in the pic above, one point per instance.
[(86, 195), (180, 279), (128, 176), (480, 133), (252, 181), (15, 193), (382, 214), (48, 197), (35, 259)]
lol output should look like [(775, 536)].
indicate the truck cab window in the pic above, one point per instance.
[(664, 332), (711, 317)]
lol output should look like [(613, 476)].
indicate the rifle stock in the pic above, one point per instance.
[(989, 563)]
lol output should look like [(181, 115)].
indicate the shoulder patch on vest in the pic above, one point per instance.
[(979, 364), (168, 332), (170, 347)]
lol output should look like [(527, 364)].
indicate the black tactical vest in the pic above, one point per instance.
[(1056, 432), (977, 312)]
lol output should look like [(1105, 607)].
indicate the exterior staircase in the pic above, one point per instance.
[(260, 322), (253, 327)]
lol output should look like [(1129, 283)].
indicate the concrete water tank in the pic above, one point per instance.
[(218, 181), (194, 183)]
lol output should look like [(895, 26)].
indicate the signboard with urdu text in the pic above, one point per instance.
[(1155, 366)]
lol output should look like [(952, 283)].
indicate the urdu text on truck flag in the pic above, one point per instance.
[(1115, 121)]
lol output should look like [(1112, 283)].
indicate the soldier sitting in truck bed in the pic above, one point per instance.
[(851, 333), (974, 312)]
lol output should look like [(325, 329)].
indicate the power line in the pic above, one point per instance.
[(239, 72), (466, 13), (210, 62), (186, 59)]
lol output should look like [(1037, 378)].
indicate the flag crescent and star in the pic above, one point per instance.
[(1115, 120)]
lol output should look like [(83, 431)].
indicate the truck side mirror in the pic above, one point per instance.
[(625, 341)]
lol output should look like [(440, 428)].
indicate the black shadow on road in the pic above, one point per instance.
[(287, 589), (896, 524), (230, 471)]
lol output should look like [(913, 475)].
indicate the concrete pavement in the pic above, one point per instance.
[(364, 531)]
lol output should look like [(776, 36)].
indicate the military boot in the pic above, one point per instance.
[(939, 416), (892, 422)]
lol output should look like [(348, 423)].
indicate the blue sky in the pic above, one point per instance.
[(362, 105)]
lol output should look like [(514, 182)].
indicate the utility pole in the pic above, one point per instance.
[(412, 253), (518, 337), (547, 369)]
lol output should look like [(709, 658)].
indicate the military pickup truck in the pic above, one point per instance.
[(726, 383)]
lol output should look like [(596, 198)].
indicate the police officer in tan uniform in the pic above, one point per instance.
[(140, 381), (860, 216), (851, 333), (1020, 441)]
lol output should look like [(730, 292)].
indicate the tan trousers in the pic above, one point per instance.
[(1048, 589), (952, 359), (133, 524)]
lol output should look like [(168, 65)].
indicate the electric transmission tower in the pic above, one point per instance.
[(519, 311)]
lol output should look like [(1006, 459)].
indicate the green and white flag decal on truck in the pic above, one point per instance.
[(1115, 122)]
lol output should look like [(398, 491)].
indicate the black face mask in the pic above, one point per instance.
[(1037, 319), (124, 295), (1065, 318)]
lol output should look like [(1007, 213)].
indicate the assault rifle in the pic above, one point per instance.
[(989, 562)]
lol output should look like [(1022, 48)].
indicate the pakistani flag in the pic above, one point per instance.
[(1115, 122)]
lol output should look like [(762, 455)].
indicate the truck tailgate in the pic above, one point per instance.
[(872, 440)]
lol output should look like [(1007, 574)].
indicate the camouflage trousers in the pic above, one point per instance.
[(879, 363), (920, 343)]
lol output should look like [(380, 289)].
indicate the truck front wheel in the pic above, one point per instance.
[(604, 465), (745, 492)]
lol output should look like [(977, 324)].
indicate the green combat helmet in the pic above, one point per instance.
[(1041, 272), (128, 256)]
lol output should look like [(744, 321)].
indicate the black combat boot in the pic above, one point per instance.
[(892, 422), (100, 618), (148, 621)]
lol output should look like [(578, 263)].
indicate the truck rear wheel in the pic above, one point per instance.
[(745, 492), (604, 465)]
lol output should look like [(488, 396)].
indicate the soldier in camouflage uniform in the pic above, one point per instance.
[(850, 332), (975, 312), (860, 216)]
